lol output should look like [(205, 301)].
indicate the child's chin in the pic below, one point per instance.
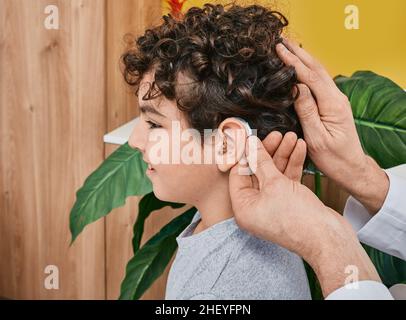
[(159, 194), (163, 196)]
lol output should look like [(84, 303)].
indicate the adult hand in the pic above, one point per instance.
[(288, 153), (329, 130), (280, 209)]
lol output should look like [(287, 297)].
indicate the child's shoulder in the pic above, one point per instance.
[(264, 269), (261, 251)]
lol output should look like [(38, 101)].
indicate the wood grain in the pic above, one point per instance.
[(126, 20), (52, 120), (332, 195)]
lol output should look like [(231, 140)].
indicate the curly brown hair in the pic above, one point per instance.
[(229, 54)]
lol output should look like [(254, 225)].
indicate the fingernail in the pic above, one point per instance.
[(295, 91), (282, 47)]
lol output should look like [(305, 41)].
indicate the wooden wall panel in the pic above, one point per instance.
[(332, 195), (124, 18), (52, 121)]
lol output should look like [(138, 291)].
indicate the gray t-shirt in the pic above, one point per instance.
[(225, 262)]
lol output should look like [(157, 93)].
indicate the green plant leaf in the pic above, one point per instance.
[(147, 205), (311, 168), (149, 262), (121, 175), (392, 270), (317, 184), (314, 284), (379, 108)]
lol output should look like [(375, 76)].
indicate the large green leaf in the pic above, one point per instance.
[(392, 270), (149, 262), (379, 108), (314, 284), (121, 175), (147, 205)]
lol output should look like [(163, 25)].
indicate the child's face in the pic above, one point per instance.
[(159, 138)]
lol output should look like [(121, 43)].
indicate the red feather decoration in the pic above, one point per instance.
[(176, 7)]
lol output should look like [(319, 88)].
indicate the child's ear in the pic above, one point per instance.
[(230, 143)]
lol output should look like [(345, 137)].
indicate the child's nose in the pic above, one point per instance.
[(136, 140)]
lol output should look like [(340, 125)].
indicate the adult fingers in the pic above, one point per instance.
[(272, 142), (243, 191), (319, 85), (260, 162), (282, 154), (294, 168), (308, 114), (310, 61)]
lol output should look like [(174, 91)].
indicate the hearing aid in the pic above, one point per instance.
[(246, 126), (245, 171)]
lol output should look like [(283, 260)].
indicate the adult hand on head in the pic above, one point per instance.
[(278, 208), (329, 130)]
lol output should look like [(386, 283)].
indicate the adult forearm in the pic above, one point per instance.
[(367, 183), (338, 258)]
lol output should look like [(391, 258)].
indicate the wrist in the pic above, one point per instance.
[(370, 185), (338, 257)]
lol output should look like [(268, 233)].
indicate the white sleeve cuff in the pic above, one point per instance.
[(386, 230), (362, 290)]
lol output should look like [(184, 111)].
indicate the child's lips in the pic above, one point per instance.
[(150, 169)]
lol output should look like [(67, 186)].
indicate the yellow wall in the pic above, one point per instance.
[(378, 45)]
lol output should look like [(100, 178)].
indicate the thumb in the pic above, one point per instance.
[(241, 186), (260, 162)]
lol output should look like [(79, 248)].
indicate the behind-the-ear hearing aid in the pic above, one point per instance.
[(246, 126), (245, 171)]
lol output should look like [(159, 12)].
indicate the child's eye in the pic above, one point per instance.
[(153, 125)]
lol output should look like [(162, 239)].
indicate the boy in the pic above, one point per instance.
[(200, 73)]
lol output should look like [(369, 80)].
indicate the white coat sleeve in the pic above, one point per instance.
[(361, 290), (386, 230)]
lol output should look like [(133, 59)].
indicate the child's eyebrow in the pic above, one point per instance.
[(147, 108)]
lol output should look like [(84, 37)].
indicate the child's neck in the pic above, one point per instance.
[(214, 206)]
